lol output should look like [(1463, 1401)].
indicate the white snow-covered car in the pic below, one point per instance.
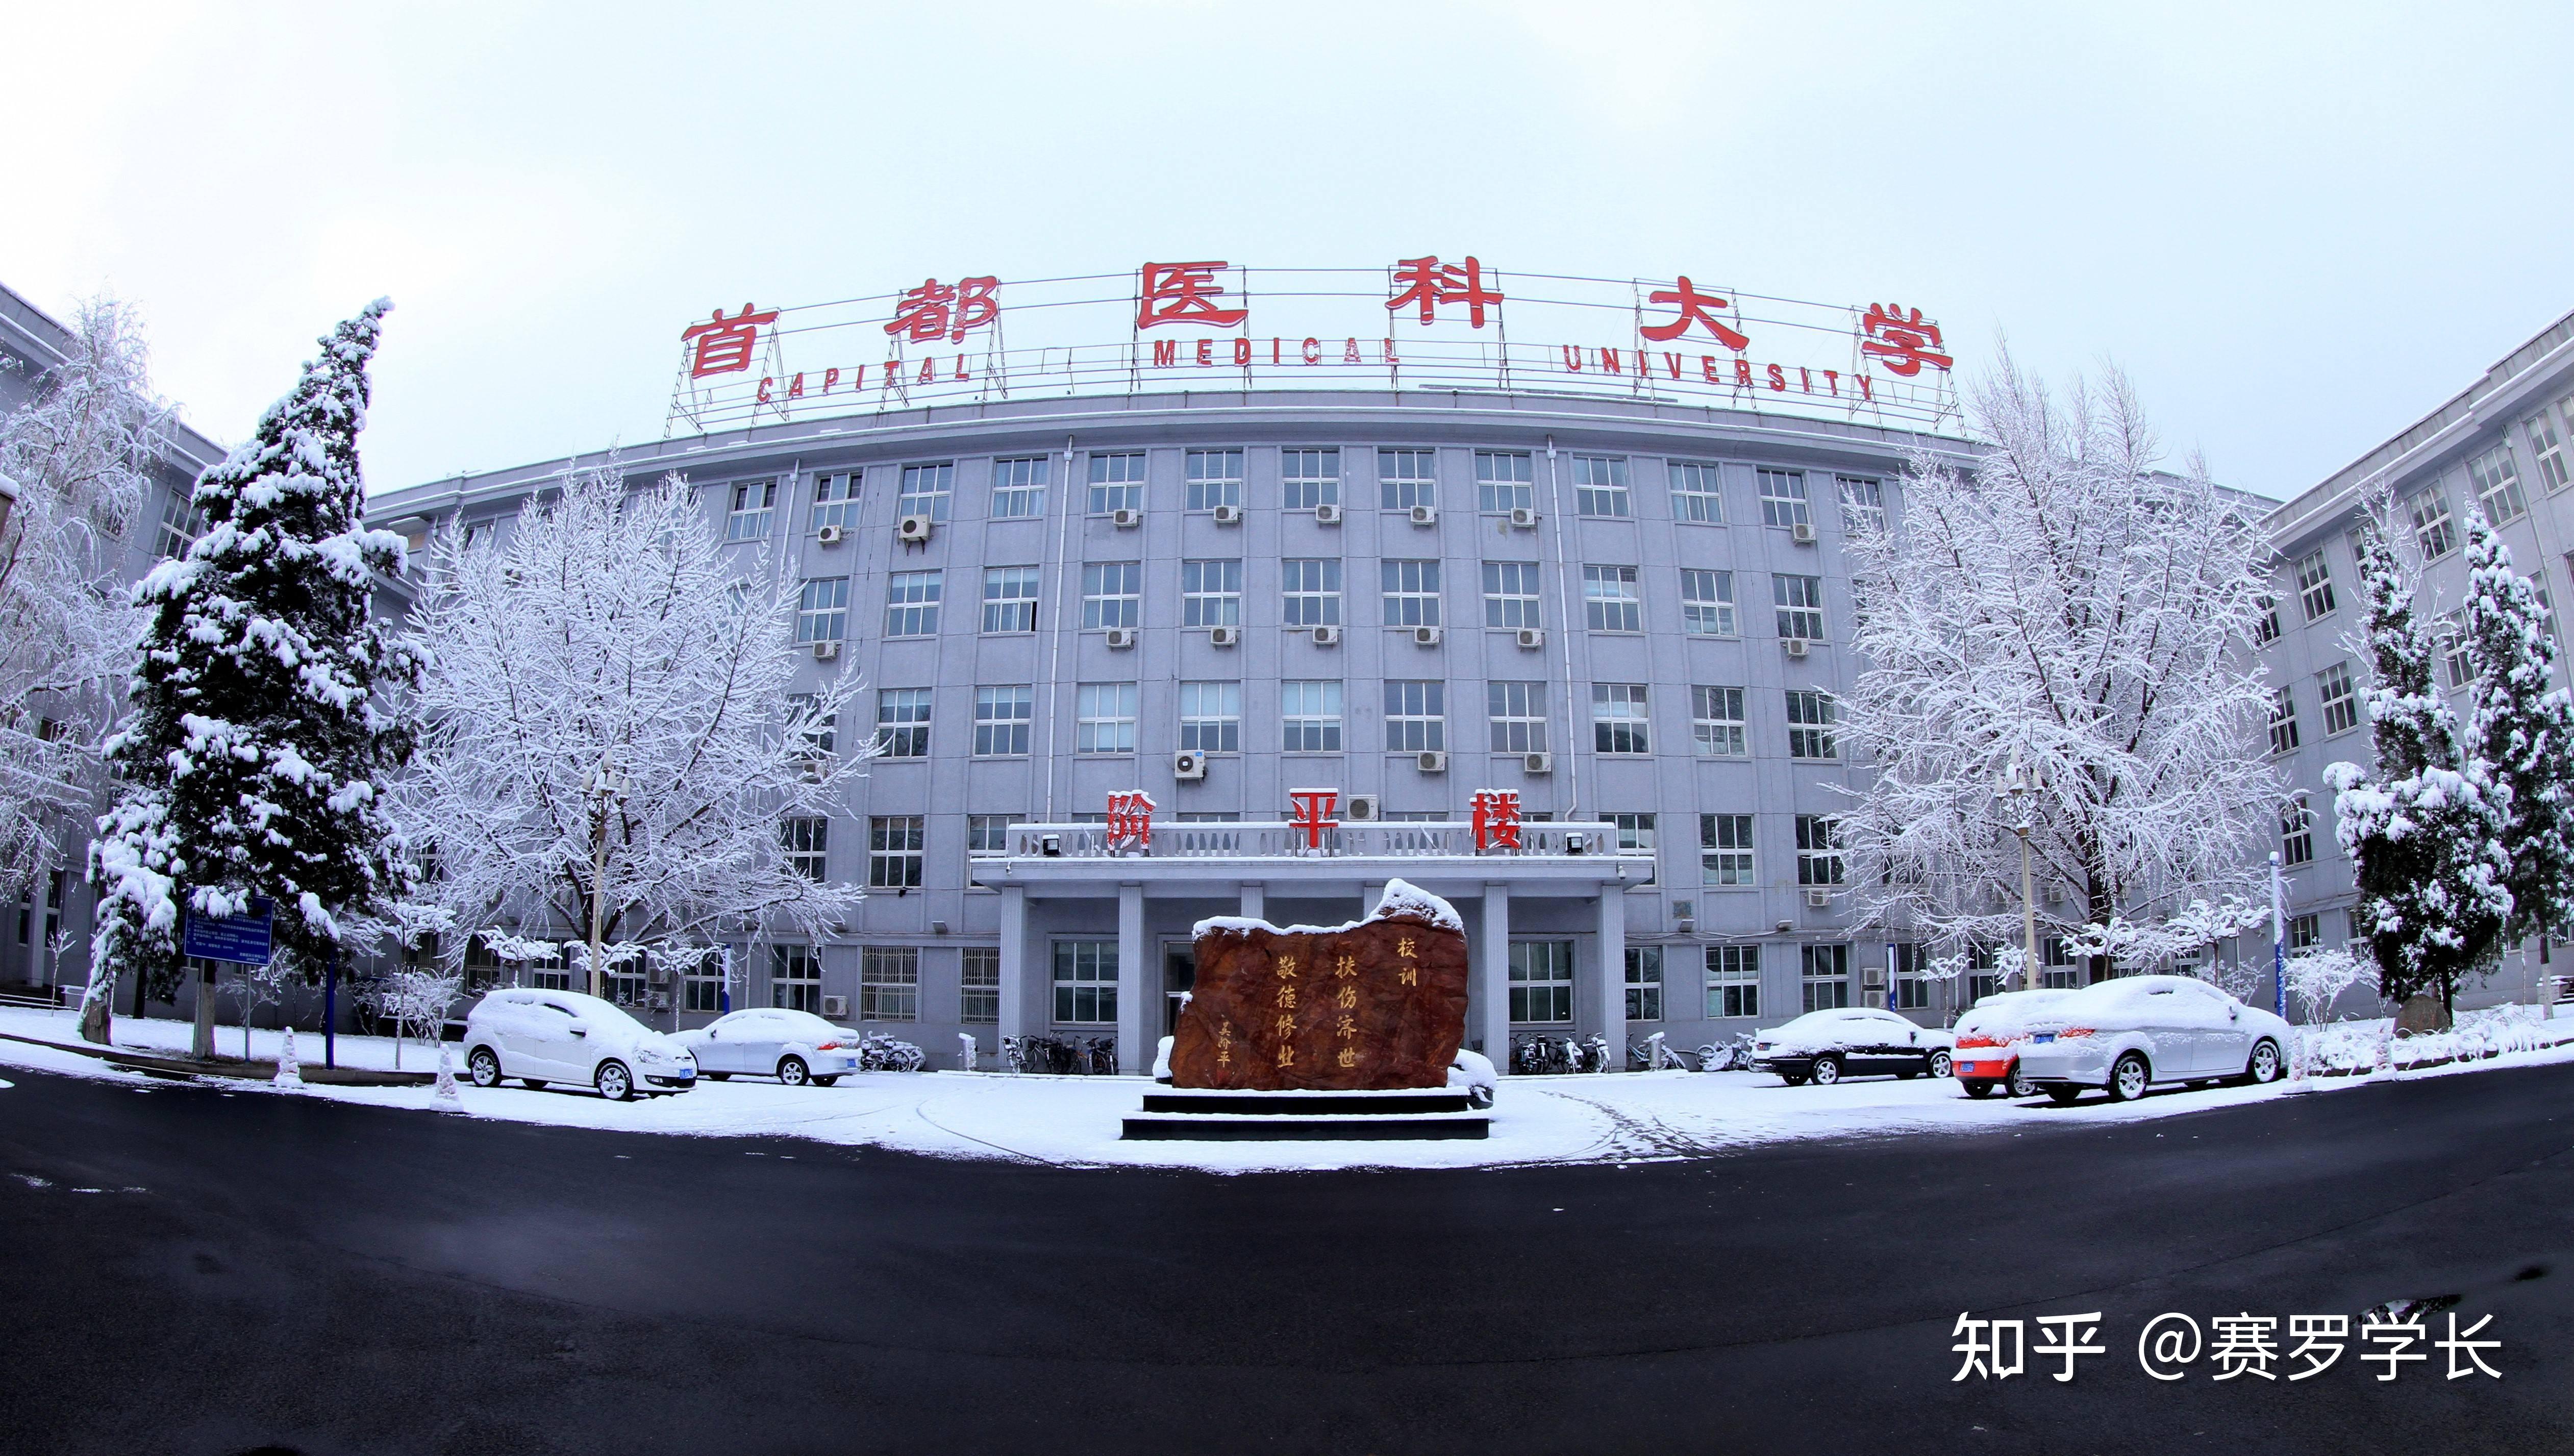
[(2126, 1035), (1988, 1040), (796, 1048), (564, 1036), (1826, 1046)]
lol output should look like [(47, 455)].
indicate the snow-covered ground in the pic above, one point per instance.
[(1076, 1120)]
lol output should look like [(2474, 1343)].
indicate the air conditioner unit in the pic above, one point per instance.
[(1188, 764), (1425, 515), (1537, 762), (1532, 637), (1871, 975), (824, 652), (1328, 515), (1427, 637), (1432, 762), (658, 1002), (1817, 900), (1325, 637), (836, 1006), (1361, 809), (814, 770), (1228, 515), (1802, 532), (1796, 645), (1224, 636), (1125, 518), (1874, 1000), (1122, 637), (830, 535), (1685, 912), (1524, 517), (913, 528)]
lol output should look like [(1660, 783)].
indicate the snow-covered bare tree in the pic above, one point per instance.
[(2524, 729), (261, 727), (2061, 598), (2423, 826), (604, 627), (78, 458)]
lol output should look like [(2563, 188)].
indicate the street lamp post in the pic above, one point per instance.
[(2018, 787), (605, 791)]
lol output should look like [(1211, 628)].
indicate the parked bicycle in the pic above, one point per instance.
[(879, 1053), (1727, 1056), (1653, 1054)]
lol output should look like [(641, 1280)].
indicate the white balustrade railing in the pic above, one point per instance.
[(1278, 838)]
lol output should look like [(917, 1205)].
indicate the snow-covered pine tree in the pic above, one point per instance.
[(2523, 728), (2423, 829), (261, 731)]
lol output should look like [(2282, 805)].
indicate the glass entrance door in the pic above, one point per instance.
[(1179, 975)]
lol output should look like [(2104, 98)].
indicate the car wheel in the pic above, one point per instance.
[(615, 1083), (1941, 1064), (717, 1076), (2129, 1079), (2264, 1067), (2063, 1097), (533, 1085), (824, 1081), (1977, 1087), (484, 1068), (1827, 1071), (792, 1071), (2021, 1085)]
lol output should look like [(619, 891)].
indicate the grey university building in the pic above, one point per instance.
[(1632, 609)]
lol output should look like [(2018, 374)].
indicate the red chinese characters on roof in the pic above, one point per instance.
[(1902, 338), (1695, 308), (936, 309), (1427, 284), (724, 345), (1313, 813), (1130, 819), (1183, 293), (1497, 819)]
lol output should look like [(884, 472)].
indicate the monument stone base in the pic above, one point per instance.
[(1212, 1115)]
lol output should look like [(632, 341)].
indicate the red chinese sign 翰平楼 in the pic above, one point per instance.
[(1902, 338), (1313, 813), (724, 345), (1427, 284), (1695, 308), (1497, 819), (1130, 819), (936, 310), (1183, 293)]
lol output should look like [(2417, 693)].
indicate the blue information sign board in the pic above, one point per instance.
[(241, 939)]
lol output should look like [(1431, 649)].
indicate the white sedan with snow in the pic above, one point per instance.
[(1825, 1046), (796, 1048), (543, 1036), (2129, 1034)]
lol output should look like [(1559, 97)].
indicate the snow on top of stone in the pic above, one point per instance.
[(1401, 898)]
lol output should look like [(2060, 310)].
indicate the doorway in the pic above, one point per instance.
[(1179, 977)]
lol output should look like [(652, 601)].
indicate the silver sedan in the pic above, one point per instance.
[(796, 1048)]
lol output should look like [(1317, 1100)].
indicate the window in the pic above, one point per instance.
[(1707, 603), (1907, 989), (988, 834), (822, 611), (1511, 594), (1211, 716), (795, 979), (894, 844), (925, 489), (1112, 593), (1518, 711), (1810, 724), (836, 501), (1215, 479), (1636, 835), (1407, 478), (1308, 477), (1644, 982), (1541, 981), (2341, 702), (1211, 594), (902, 721), (1416, 716), (753, 502), (807, 842), (2314, 584), (1693, 492), (1311, 714), (2456, 662), (1725, 849), (2265, 628), (1863, 503), (1310, 590), (1733, 981), (1827, 976), (1981, 980), (1104, 717), (1503, 482), (2432, 528), (2057, 971), (2283, 721), (1618, 719), (2544, 449), (1002, 718), (1010, 598), (911, 603), (1716, 722), (1799, 604), (2496, 477), (1020, 487), (1610, 601), (822, 733), (1116, 483), (1411, 592), (1086, 981), (1783, 498), (702, 984), (1599, 485), (1819, 860), (889, 983), (182, 523), (978, 986), (2296, 832), (2306, 933)]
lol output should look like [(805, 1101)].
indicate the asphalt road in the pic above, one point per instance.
[(267, 1271)]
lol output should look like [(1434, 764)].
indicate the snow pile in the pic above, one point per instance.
[(1401, 898), (2342, 1047)]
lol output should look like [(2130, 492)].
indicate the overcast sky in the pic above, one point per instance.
[(2298, 227)]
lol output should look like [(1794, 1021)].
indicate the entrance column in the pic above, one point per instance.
[(1613, 973), (1494, 979), (1136, 987), (1014, 964), (1255, 901)]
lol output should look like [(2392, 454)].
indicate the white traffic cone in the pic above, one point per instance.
[(290, 1073), (448, 1100)]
